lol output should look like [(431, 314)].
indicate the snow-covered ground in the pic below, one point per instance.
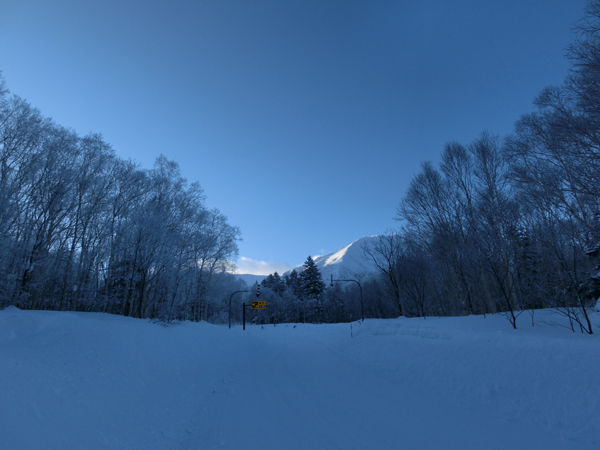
[(95, 381)]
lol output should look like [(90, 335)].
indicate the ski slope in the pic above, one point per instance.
[(95, 381)]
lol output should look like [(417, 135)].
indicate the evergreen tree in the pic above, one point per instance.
[(268, 282), (311, 280), (293, 281), (278, 286), (275, 283)]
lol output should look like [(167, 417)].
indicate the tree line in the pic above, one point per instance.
[(513, 224), (305, 297), (84, 230), (295, 297)]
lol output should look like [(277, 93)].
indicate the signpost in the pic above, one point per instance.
[(256, 304), (230, 305)]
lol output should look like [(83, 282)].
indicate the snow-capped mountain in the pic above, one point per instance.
[(347, 262)]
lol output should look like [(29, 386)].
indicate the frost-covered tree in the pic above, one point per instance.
[(460, 235), (275, 283), (293, 281), (311, 280), (313, 286), (555, 159), (503, 227), (81, 229)]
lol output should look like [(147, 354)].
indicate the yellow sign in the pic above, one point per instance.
[(259, 305)]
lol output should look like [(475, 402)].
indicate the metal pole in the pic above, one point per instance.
[(244, 316), (362, 306), (230, 305)]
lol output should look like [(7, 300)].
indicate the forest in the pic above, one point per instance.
[(84, 230), (501, 225), (513, 224)]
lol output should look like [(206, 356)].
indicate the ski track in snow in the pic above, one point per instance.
[(95, 381)]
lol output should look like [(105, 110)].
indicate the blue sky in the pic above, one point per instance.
[(304, 121)]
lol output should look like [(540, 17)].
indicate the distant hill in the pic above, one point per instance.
[(250, 279)]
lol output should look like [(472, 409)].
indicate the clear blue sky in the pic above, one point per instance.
[(304, 121)]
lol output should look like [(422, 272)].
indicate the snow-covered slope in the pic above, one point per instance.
[(250, 279), (93, 381), (347, 262)]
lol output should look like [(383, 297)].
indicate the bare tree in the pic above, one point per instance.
[(387, 253)]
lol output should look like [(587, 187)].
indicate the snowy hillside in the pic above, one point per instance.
[(346, 262), (250, 279), (95, 381)]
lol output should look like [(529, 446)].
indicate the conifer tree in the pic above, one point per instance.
[(275, 283), (293, 280), (278, 285), (311, 280), (268, 282)]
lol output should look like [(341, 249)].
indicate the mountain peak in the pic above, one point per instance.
[(348, 261)]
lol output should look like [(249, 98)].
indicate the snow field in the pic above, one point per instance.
[(95, 381)]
